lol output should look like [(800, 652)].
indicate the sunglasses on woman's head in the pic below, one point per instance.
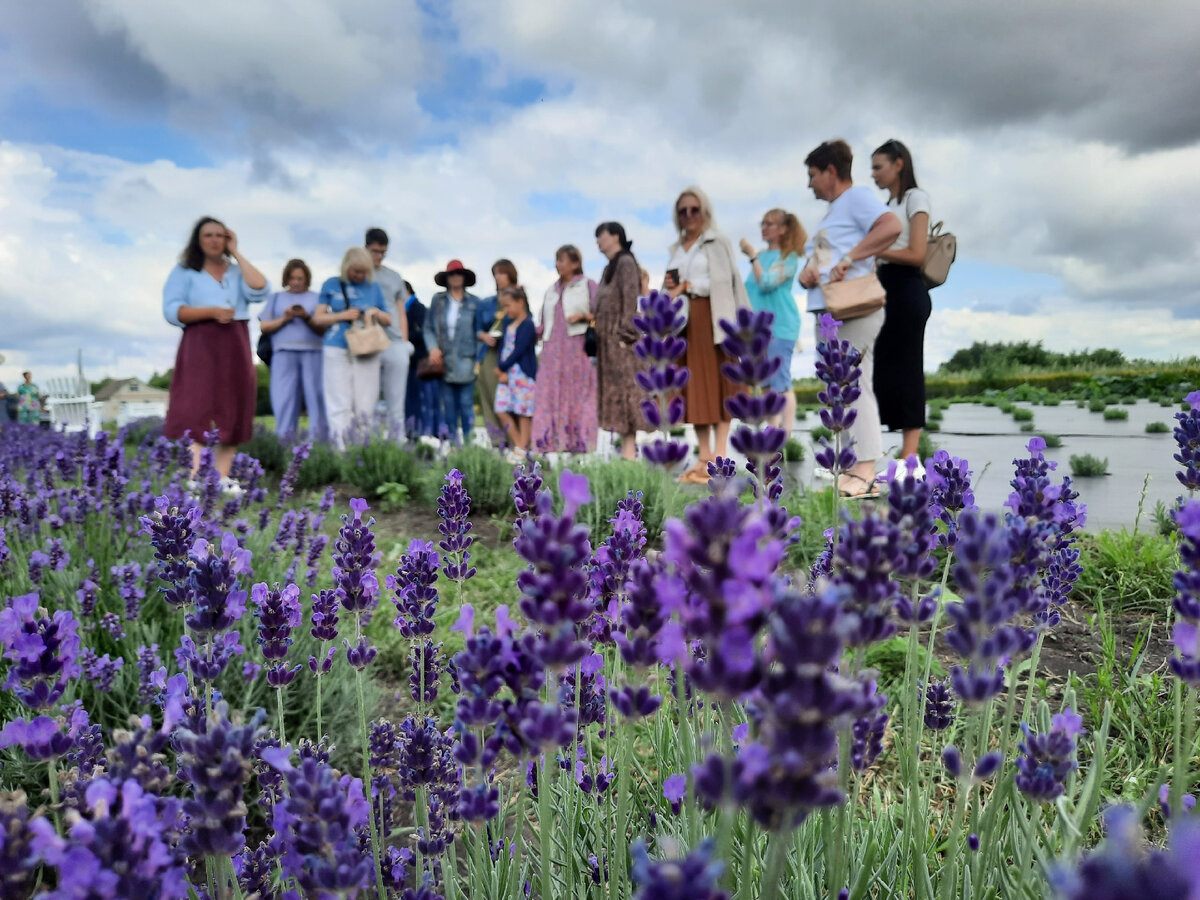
[(685, 211)]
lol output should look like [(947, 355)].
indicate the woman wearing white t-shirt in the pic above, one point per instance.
[(856, 227), (900, 347)]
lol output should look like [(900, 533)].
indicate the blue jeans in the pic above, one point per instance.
[(782, 380), (458, 400)]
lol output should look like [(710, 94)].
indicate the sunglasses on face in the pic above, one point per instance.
[(685, 212)]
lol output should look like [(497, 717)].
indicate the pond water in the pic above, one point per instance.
[(991, 440)]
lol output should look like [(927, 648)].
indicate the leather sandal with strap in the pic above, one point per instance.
[(870, 489)]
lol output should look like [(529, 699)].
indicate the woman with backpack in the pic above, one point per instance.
[(900, 348)]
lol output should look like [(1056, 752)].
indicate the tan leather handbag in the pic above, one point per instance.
[(366, 340), (853, 298), (939, 255)]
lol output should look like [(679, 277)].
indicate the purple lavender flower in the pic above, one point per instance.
[(413, 584), (42, 651), (287, 484), (837, 367), (1187, 437), (127, 578), (217, 605), (527, 484), (1187, 595), (18, 862), (867, 741), (45, 738), (454, 508), (983, 632), (318, 820), (747, 340), (118, 845), (949, 480), (692, 877), (325, 615), (1187, 802), (216, 765), (100, 670), (148, 661), (939, 706), (1048, 758), (1125, 868), (868, 551), (355, 561), (662, 323), (172, 534), (278, 612)]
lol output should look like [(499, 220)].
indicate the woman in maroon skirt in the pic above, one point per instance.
[(213, 387)]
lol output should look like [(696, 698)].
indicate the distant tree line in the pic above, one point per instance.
[(1004, 355)]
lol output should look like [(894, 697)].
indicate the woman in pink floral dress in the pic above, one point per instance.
[(564, 409)]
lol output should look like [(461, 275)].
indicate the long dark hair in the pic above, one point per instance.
[(618, 230), (894, 150), (192, 256)]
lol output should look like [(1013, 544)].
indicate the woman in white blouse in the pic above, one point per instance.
[(702, 268), (900, 347)]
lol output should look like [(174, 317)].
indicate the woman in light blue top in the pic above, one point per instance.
[(351, 382), (297, 353), (769, 286), (213, 387)]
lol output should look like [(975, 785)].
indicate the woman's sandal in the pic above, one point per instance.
[(697, 474), (870, 489)]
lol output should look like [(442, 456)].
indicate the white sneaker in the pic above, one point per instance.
[(231, 488)]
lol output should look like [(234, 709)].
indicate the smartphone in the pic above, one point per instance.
[(673, 274)]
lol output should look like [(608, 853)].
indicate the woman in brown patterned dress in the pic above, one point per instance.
[(616, 363)]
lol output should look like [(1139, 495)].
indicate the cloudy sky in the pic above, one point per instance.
[(1060, 142)]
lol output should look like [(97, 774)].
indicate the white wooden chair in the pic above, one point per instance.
[(71, 406)]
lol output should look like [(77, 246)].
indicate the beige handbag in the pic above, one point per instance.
[(939, 254), (366, 340), (854, 298)]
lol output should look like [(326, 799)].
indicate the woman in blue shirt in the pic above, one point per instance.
[(213, 386), (351, 382), (769, 285)]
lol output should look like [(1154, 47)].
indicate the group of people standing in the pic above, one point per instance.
[(440, 361)]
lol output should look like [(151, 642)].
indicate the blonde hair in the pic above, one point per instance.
[(357, 256), (706, 210), (794, 235)]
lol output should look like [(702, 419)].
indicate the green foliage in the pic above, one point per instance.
[(1085, 465), (1027, 426), (1157, 428), (1022, 414), (323, 467), (382, 461), (933, 426), (1097, 405), (935, 414), (163, 381), (488, 479), (887, 657), (1006, 356), (1053, 441), (611, 481), (138, 431), (392, 495), (1114, 414), (265, 446), (793, 450), (820, 432), (1127, 571), (1051, 401)]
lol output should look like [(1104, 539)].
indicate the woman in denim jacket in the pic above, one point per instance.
[(451, 337)]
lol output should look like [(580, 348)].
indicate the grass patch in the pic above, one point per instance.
[(1053, 441), (323, 467), (486, 477), (1157, 428), (1022, 414), (1129, 572), (793, 450), (1084, 465), (820, 432), (1097, 405), (380, 461), (1027, 426), (1114, 414)]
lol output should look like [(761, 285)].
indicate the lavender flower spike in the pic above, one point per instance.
[(662, 323), (454, 508), (837, 367)]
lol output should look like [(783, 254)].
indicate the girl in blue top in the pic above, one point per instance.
[(351, 382), (516, 370), (214, 388), (769, 285)]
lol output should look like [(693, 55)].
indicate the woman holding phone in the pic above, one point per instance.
[(213, 386), (351, 382), (297, 369), (703, 270)]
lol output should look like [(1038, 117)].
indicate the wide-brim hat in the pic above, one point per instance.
[(454, 267)]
